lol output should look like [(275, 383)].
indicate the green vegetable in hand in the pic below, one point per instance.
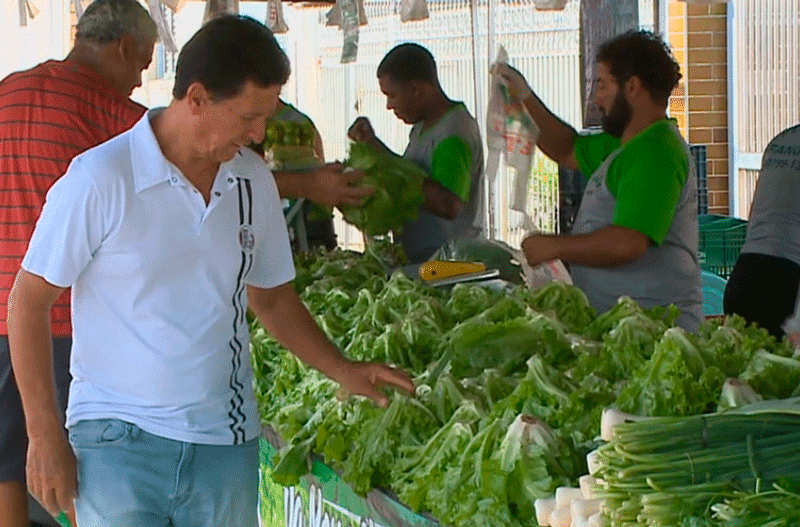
[(398, 191)]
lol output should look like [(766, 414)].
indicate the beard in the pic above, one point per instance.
[(616, 120)]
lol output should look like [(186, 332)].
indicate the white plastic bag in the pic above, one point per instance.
[(791, 325), (413, 10), (544, 273), (510, 131), (541, 275)]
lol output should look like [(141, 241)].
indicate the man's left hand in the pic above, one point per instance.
[(366, 378), (540, 248)]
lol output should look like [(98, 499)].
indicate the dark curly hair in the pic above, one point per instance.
[(644, 55)]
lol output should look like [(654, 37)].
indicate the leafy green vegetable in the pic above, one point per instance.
[(398, 190)]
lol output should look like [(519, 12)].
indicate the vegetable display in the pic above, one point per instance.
[(511, 386), (670, 471), (398, 190)]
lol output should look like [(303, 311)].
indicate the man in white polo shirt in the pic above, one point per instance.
[(166, 234)]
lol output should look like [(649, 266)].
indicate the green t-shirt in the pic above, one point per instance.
[(646, 178), (452, 166)]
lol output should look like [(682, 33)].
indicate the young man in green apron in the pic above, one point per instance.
[(636, 230), (444, 141)]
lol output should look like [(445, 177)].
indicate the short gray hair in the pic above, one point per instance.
[(106, 21)]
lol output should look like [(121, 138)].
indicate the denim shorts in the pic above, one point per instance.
[(127, 476)]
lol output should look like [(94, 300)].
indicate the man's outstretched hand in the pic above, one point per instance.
[(333, 185), (367, 379)]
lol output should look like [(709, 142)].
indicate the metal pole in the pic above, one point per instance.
[(491, 46), (733, 125)]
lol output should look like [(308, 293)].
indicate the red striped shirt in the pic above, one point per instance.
[(48, 115)]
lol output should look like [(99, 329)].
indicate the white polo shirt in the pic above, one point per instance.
[(158, 279)]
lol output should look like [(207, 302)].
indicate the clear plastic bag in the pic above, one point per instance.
[(510, 131), (215, 8), (791, 325), (544, 273), (333, 18), (551, 5), (275, 21), (413, 10), (164, 31)]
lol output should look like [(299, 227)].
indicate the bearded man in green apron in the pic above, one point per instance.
[(636, 230)]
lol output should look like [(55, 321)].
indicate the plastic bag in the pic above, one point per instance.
[(413, 10), (220, 7), (552, 5), (791, 325), (164, 31), (78, 5), (334, 15), (275, 21), (510, 131), (544, 273)]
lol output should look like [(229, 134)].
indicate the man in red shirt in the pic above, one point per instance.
[(48, 115)]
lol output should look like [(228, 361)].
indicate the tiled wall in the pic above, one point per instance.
[(698, 35)]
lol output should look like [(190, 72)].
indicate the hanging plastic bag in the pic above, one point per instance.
[(349, 30), (551, 5), (220, 7), (413, 10), (275, 21), (510, 131), (28, 9), (334, 15), (78, 5), (175, 5), (164, 31)]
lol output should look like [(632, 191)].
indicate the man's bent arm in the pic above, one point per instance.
[(556, 137), (282, 313), (608, 246), (440, 200)]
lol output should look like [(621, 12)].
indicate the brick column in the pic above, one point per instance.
[(698, 34)]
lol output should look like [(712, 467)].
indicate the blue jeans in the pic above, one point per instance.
[(128, 477)]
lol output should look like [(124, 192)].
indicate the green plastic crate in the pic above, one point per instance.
[(720, 242)]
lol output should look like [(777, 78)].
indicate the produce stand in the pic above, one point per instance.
[(324, 499), (511, 387)]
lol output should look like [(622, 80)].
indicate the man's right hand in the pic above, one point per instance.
[(361, 131), (517, 83), (52, 474)]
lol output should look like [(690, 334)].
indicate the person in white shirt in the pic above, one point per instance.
[(166, 234)]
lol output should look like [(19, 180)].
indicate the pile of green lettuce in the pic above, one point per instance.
[(510, 386), (398, 192)]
